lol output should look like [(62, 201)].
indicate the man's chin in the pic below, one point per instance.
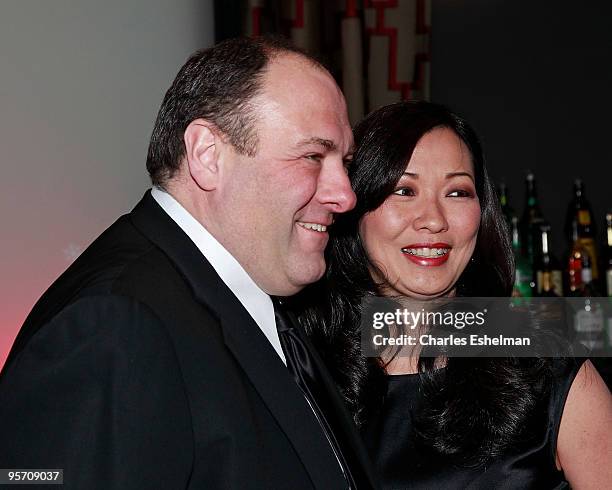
[(307, 273)]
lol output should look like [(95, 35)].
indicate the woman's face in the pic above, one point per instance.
[(423, 236)]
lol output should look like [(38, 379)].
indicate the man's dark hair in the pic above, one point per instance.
[(216, 84)]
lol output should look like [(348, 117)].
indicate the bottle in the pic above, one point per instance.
[(531, 221), (589, 287), (608, 276), (547, 288), (548, 265), (579, 212), (609, 255), (589, 322), (524, 284), (574, 284)]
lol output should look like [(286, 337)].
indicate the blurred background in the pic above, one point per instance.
[(82, 82)]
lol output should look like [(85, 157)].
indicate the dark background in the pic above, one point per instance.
[(535, 80)]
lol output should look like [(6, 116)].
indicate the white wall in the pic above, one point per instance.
[(80, 85)]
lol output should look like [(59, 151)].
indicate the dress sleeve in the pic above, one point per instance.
[(564, 373)]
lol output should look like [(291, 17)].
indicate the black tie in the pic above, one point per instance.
[(305, 368)]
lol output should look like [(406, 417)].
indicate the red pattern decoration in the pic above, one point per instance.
[(256, 20), (421, 58), (421, 27), (298, 22), (405, 88), (351, 9)]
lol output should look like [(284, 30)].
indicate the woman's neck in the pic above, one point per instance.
[(408, 365), (402, 365)]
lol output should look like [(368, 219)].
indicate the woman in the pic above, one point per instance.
[(427, 225)]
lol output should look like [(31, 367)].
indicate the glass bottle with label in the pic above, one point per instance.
[(531, 221), (547, 288), (589, 288), (574, 284), (548, 263), (589, 320), (524, 284), (609, 255), (608, 276), (579, 212)]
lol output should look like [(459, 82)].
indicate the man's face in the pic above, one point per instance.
[(272, 209)]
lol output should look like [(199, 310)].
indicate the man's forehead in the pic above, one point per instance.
[(292, 75), (299, 94)]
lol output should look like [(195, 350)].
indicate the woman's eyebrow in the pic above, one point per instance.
[(448, 175), (459, 174)]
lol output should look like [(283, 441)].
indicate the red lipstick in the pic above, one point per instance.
[(427, 261)]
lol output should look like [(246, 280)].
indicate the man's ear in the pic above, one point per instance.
[(202, 144)]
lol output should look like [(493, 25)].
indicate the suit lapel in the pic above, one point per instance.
[(247, 343)]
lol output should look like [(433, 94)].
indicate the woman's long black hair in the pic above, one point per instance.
[(474, 409)]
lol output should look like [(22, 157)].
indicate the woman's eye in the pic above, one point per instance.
[(404, 191), (460, 193)]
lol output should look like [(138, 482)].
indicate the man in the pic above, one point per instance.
[(155, 361)]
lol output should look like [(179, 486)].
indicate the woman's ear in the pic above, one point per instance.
[(202, 141)]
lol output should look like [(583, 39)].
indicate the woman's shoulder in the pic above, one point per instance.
[(583, 444), (563, 371)]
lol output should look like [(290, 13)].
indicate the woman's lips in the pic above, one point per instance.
[(427, 254)]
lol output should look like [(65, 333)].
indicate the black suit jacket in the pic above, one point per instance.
[(139, 368)]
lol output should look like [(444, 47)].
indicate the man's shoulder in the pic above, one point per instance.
[(119, 263), (98, 268)]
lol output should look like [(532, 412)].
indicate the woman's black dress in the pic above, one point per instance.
[(390, 439)]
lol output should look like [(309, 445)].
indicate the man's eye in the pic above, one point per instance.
[(404, 191), (347, 162), (315, 157), (460, 193)]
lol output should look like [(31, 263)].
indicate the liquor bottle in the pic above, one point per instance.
[(609, 255), (589, 287), (548, 263), (579, 212), (547, 288), (589, 322), (574, 284), (531, 221), (608, 276), (524, 284)]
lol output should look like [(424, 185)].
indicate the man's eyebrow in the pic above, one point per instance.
[(327, 144)]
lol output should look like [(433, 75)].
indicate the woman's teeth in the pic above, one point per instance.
[(426, 252)]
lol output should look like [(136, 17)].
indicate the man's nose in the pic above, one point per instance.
[(334, 188)]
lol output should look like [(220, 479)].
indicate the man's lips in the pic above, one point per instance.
[(320, 227), (427, 254)]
